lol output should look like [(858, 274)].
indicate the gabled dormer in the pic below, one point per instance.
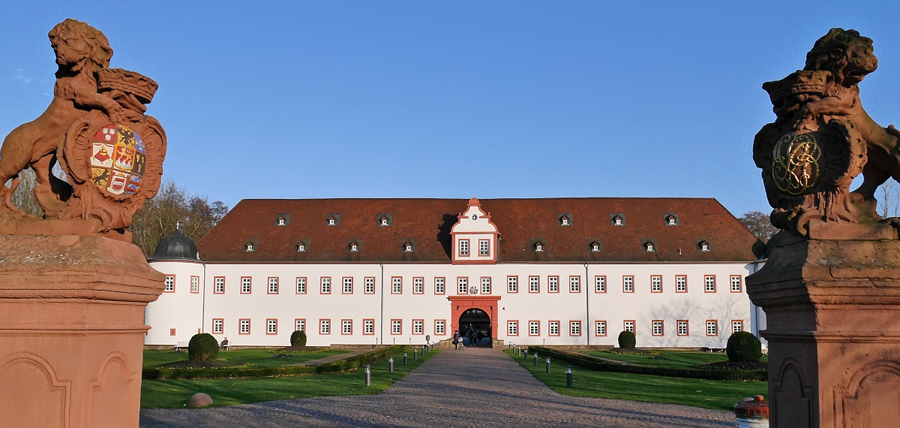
[(649, 246), (564, 219), (538, 246), (282, 219), (671, 219), (333, 219), (595, 246), (703, 245), (474, 236), (385, 220), (617, 219)]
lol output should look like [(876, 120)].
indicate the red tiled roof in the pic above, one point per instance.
[(521, 222)]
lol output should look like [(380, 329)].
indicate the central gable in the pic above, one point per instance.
[(474, 236)]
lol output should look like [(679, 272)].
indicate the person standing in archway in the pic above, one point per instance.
[(456, 339), (471, 335)]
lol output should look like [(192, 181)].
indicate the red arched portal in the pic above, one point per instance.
[(460, 304)]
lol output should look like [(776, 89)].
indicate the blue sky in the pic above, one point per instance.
[(487, 99)]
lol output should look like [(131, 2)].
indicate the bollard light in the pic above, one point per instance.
[(548, 364), (526, 355), (568, 376), (535, 358), (368, 376), (415, 354), (405, 358), (391, 364)]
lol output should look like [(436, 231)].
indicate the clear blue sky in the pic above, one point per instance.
[(456, 99)]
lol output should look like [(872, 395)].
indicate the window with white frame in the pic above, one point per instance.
[(407, 247), (553, 284), (439, 286), (369, 285), (600, 328), (396, 327), (574, 284), (657, 327), (628, 284), (629, 326), (464, 247), (170, 283), (649, 247), (512, 328), (346, 326), (618, 220), (218, 325), (396, 285), (440, 327), (486, 285), (534, 328), (512, 284), (539, 246), (246, 285), (418, 327), (600, 284), (271, 326), (301, 285), (273, 285), (325, 285), (324, 326), (368, 326), (195, 284), (462, 285), (564, 221), (301, 247), (534, 284), (574, 328), (712, 328), (680, 283), (300, 325), (354, 247), (682, 327), (419, 285), (484, 247), (736, 326), (735, 283), (656, 283), (219, 285), (348, 285), (244, 326), (554, 328), (709, 283), (384, 221)]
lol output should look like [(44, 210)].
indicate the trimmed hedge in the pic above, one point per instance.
[(203, 347), (298, 338), (627, 340), (743, 347), (594, 363), (245, 371)]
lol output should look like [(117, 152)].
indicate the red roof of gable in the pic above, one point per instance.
[(521, 222)]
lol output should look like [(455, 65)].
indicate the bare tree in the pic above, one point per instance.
[(759, 225), (172, 207), (890, 199)]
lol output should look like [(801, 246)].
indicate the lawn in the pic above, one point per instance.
[(668, 359), (259, 357), (224, 392), (710, 394)]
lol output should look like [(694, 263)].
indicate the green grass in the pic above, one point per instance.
[(224, 392), (668, 359), (260, 357), (709, 394)]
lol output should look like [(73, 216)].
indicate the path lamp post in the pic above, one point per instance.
[(368, 376), (526, 355), (405, 358), (568, 376), (535, 359), (391, 363), (416, 354), (548, 364)]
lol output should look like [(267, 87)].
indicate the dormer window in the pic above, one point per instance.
[(618, 220), (384, 221), (703, 246), (301, 247), (354, 247), (332, 219), (671, 220), (407, 247), (282, 219), (564, 219), (538, 246), (248, 247), (649, 247), (595, 247)]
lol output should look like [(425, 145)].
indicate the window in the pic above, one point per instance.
[(301, 285), (657, 326), (354, 247), (484, 247), (439, 286), (736, 326), (273, 285), (419, 285), (564, 220), (671, 220), (218, 325), (600, 284), (534, 328), (407, 247), (712, 328), (512, 328), (324, 326), (195, 284), (325, 285), (682, 327), (534, 284), (440, 327), (600, 328), (649, 247), (554, 328), (575, 284), (300, 324), (243, 326), (219, 285), (512, 284), (384, 221), (486, 285), (271, 326), (628, 284), (681, 283), (538, 246), (595, 246), (246, 285), (553, 284), (248, 247), (369, 326), (655, 284), (170, 284), (396, 327), (709, 283), (280, 221), (629, 326), (462, 285), (703, 246), (301, 247), (418, 327), (396, 285), (735, 283), (464, 247), (574, 328), (618, 220), (331, 220), (369, 285), (348, 285), (346, 326)]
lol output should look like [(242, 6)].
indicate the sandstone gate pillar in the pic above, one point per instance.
[(71, 330), (833, 305)]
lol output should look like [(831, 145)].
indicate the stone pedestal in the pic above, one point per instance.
[(71, 330), (832, 303)]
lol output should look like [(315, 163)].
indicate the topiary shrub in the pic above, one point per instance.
[(627, 340), (203, 347), (298, 338), (743, 347)]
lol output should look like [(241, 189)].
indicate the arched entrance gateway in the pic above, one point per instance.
[(475, 313)]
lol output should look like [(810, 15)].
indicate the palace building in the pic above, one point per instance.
[(554, 271)]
